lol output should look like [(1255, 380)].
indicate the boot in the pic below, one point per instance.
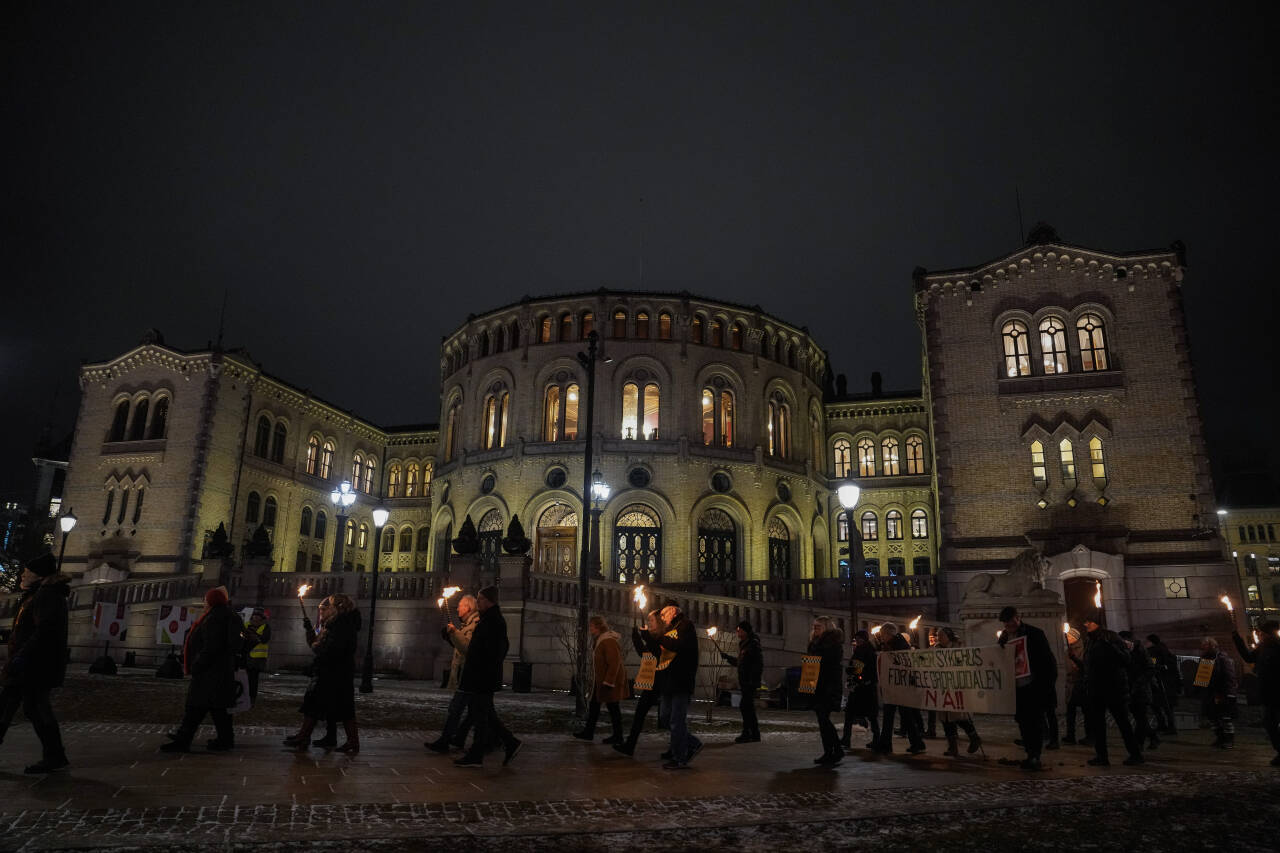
[(330, 739), (848, 734), (302, 740), (352, 746), (975, 742), (953, 745)]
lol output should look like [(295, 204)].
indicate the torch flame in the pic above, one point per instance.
[(1097, 595), (998, 633), (302, 590), (875, 629), (711, 632), (451, 591), (1227, 602), (640, 598), (1255, 638), (439, 602), (915, 622), (1066, 627)]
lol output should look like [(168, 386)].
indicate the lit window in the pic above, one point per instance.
[(1067, 456), (411, 480), (313, 455), (544, 331), (866, 457), (1093, 342), (587, 324), (1017, 355), (717, 333), (571, 412), (1096, 460), (369, 466), (870, 531), (55, 506), (779, 427), (1038, 473), (695, 335), (889, 457), (393, 481), (893, 524), (919, 524), (349, 537), (717, 415), (326, 459), (642, 325), (1253, 593), (840, 451), (495, 418), (842, 526), (664, 326), (640, 410), (915, 455), (1053, 345), (357, 470), (364, 537)]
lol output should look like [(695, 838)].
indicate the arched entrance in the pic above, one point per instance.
[(637, 534), (717, 547), (490, 530), (557, 539), (779, 550), (1078, 595)]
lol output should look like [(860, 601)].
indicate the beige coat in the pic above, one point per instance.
[(612, 684), (461, 640)]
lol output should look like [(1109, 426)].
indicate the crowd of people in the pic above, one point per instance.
[(1106, 674)]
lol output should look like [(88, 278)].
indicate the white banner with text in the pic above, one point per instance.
[(963, 679)]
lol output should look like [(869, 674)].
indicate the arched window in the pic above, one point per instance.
[(1096, 461), (313, 455), (321, 525), (638, 536), (816, 443), (544, 330), (619, 323), (695, 331), (843, 458), (515, 333), (388, 540), (915, 455), (304, 528), (119, 422), (159, 419), (566, 326), (252, 507), (735, 337), (499, 339), (664, 326), (495, 418), (919, 524), (357, 472), (717, 333), (642, 325), (406, 540), (893, 524), (482, 340), (779, 538), (1066, 455), (551, 414), (362, 542), (269, 512), (424, 538), (640, 410), (326, 460), (557, 540), (411, 480), (1039, 475), (1053, 345), (1017, 353), (586, 325), (490, 530), (889, 457), (718, 414), (791, 356), (111, 499), (870, 529), (393, 480), (262, 437), (560, 413), (138, 425), (1093, 342), (717, 547), (451, 431), (369, 467), (124, 505), (842, 526), (866, 457), (140, 491), (779, 426), (778, 350), (278, 436)]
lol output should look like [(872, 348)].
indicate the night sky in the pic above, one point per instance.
[(358, 178)]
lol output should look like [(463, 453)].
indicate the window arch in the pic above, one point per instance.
[(642, 325), (451, 430), (919, 524), (120, 422), (1093, 342), (495, 418), (619, 324), (664, 326), (1039, 475), (1017, 353), (490, 530), (779, 426), (1067, 459), (915, 454), (586, 324), (735, 337), (159, 419), (370, 466), (1053, 345), (637, 533), (406, 540), (362, 540), (393, 480), (304, 527), (816, 444), (717, 333), (389, 541), (560, 412), (870, 527), (269, 512), (695, 332), (842, 456), (1096, 461), (278, 437), (544, 330), (866, 457), (566, 326), (252, 507), (893, 525), (889, 457), (639, 409), (718, 413), (321, 525), (717, 547), (411, 480), (326, 459), (424, 539), (779, 538), (313, 455), (106, 513), (357, 472), (262, 437), (138, 424), (842, 526)]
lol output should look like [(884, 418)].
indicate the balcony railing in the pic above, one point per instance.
[(826, 591)]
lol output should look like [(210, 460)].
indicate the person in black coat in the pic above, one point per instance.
[(827, 642), (1142, 675), (679, 657), (1105, 670), (38, 659), (750, 663), (1167, 685), (482, 677), (864, 701), (912, 724), (1266, 666), (209, 656), (331, 692), (1038, 696), (646, 642)]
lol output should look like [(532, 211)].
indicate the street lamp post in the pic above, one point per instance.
[(849, 494), (342, 497), (380, 515), (66, 522), (599, 497), (588, 361)]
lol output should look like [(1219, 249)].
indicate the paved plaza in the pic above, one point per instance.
[(561, 793)]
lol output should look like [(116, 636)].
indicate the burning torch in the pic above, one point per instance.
[(640, 599), (912, 629), (443, 602), (302, 590)]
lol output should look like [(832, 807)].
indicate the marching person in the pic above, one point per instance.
[(1169, 683), (1075, 689), (827, 641), (1104, 665), (331, 692), (645, 641), (1266, 666), (611, 685), (482, 677), (892, 641), (679, 646), (750, 663), (1039, 695), (1219, 702), (954, 720), (863, 702), (38, 659), (931, 724), (458, 636), (209, 657), (1142, 672), (257, 637)]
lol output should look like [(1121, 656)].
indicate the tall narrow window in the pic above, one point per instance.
[(495, 418), (252, 508), (124, 505), (566, 327), (889, 457), (262, 437), (727, 414), (718, 414), (138, 426), (695, 335), (313, 455), (515, 333), (1093, 342), (411, 480), (349, 537), (357, 472), (841, 452), (369, 468), (779, 426), (1039, 475), (816, 443), (1053, 345), (619, 324), (326, 460), (587, 325), (363, 541), (664, 326), (119, 422), (278, 437), (919, 524), (499, 340), (571, 412), (642, 325), (1068, 459), (915, 455), (1096, 460), (866, 457), (321, 525), (735, 337), (159, 419), (893, 524), (870, 532), (544, 330), (717, 333), (451, 431), (483, 343), (1017, 354), (304, 527), (630, 410), (393, 480), (842, 526), (111, 499), (269, 512)]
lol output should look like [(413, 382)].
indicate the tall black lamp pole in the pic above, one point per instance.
[(380, 515)]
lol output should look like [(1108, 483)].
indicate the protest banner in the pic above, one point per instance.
[(809, 668), (964, 679), (109, 621), (172, 624), (648, 668)]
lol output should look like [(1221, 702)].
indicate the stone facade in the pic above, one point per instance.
[(1250, 533)]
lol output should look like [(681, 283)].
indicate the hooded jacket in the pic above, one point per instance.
[(38, 642), (610, 673)]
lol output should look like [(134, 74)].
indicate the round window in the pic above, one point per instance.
[(639, 478), (488, 483), (784, 492), (720, 482), (555, 478)]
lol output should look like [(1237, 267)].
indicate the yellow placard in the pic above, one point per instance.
[(1203, 673), (648, 667), (810, 665)]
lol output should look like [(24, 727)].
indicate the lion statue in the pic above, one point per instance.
[(1025, 577)]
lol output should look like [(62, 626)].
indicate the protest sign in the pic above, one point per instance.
[(977, 680), (809, 668), (648, 668), (109, 621), (172, 624), (1204, 672)]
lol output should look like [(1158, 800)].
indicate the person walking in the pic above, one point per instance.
[(931, 724), (892, 641), (1265, 658), (458, 636), (646, 642), (1218, 705), (1038, 695), (863, 702), (331, 694), (1075, 688), (955, 721), (1104, 665), (679, 646), (1142, 672), (610, 686), (38, 659), (482, 677), (1169, 683), (750, 663), (257, 640), (209, 656), (826, 641)]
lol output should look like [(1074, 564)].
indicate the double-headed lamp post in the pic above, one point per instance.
[(599, 497), (342, 497), (67, 521), (380, 515), (849, 494)]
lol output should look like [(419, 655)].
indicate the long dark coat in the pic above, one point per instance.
[(38, 642), (864, 698), (682, 670), (1266, 665), (1105, 666), (1142, 672), (210, 655), (482, 672), (331, 693), (829, 646), (750, 663)]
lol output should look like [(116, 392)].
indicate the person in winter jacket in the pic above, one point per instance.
[(331, 694), (750, 663), (953, 721), (611, 685), (1218, 705), (1037, 698), (679, 653), (38, 659), (1104, 665), (863, 702), (1266, 666), (458, 636), (1142, 675), (257, 644), (482, 677), (646, 642), (209, 656), (1167, 685), (1075, 689), (827, 642), (892, 641)]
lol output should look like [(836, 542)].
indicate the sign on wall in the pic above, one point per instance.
[(109, 621), (976, 680), (173, 623)]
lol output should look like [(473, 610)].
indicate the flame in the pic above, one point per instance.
[(439, 602), (1097, 595), (915, 622), (875, 630), (711, 632), (638, 594), (1227, 602), (1256, 640), (1066, 627), (451, 591), (302, 590)]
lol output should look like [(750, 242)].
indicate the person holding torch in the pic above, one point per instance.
[(1265, 657), (750, 663), (458, 636)]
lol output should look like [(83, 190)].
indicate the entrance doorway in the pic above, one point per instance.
[(1079, 593)]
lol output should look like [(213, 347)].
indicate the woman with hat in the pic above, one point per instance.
[(209, 657)]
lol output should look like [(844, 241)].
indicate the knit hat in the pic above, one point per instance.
[(491, 593), (44, 565), (217, 595)]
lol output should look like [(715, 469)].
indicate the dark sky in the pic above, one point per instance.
[(357, 178)]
